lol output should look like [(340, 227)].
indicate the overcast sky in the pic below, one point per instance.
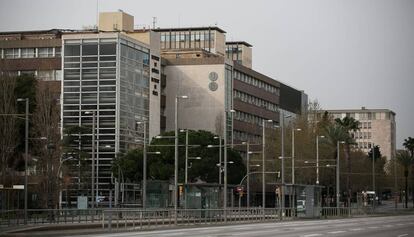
[(344, 53)]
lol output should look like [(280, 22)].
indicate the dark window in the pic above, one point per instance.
[(90, 49), (155, 58), (72, 50), (155, 80), (107, 49), (155, 70), (155, 92)]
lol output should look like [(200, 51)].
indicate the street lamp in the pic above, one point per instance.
[(60, 175), (93, 112), (225, 162), (26, 153), (177, 98), (232, 111), (264, 163), (293, 153), (144, 165), (337, 174), (282, 191), (373, 173), (219, 138), (317, 157)]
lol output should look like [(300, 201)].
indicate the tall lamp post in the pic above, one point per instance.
[(293, 153), (26, 153), (282, 191), (337, 175), (317, 157), (373, 174), (264, 163), (176, 155), (220, 160), (225, 163), (93, 156), (144, 165)]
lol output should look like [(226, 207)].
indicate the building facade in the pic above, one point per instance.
[(225, 93), (35, 53), (377, 128), (111, 78)]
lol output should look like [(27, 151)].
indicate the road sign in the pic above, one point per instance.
[(18, 186)]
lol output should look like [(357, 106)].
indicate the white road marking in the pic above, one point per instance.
[(310, 235), (337, 232), (356, 229), (402, 235)]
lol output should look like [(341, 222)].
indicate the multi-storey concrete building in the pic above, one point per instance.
[(222, 87), (377, 127), (35, 53), (116, 75)]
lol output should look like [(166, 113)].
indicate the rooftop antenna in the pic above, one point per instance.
[(97, 14), (154, 21)]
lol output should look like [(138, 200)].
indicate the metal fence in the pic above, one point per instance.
[(133, 218), (143, 219), (49, 216)]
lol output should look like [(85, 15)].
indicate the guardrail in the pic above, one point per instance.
[(133, 218), (327, 212), (143, 219), (49, 216)]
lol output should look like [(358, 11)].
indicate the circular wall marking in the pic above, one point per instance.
[(213, 86), (213, 76)]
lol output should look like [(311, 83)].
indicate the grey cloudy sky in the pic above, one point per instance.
[(345, 53)]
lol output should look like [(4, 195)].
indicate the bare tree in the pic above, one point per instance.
[(46, 125), (8, 129)]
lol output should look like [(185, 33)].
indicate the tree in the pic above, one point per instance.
[(375, 152), (409, 145), (161, 166), (349, 124), (405, 159), (46, 118), (8, 126)]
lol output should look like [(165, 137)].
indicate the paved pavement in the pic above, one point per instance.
[(390, 226)]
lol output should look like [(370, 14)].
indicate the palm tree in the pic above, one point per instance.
[(349, 125), (405, 159), (409, 145), (334, 134)]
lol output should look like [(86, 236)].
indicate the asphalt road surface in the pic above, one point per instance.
[(390, 226)]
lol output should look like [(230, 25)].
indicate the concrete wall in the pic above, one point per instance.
[(382, 136), (220, 43), (204, 109), (115, 21), (246, 56)]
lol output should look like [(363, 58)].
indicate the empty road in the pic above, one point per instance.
[(390, 226)]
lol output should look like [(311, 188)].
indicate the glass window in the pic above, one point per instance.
[(107, 49), (90, 49), (72, 50), (45, 52), (28, 52), (11, 53), (58, 51), (46, 75)]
